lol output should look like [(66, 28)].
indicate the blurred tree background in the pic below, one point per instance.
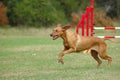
[(50, 12)]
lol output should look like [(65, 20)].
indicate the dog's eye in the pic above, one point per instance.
[(56, 30)]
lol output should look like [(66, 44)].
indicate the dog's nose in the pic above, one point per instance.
[(51, 35)]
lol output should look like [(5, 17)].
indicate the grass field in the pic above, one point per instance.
[(30, 54)]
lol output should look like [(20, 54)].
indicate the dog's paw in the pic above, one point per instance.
[(60, 61)]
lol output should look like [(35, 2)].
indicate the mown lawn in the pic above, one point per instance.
[(30, 54)]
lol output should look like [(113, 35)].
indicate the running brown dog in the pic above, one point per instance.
[(76, 43)]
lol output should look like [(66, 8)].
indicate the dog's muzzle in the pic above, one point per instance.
[(54, 36)]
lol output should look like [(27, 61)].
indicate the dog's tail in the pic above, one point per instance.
[(112, 40)]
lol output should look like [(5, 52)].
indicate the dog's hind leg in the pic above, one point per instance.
[(106, 57), (94, 54), (103, 54)]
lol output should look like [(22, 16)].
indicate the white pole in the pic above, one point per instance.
[(108, 36), (99, 28)]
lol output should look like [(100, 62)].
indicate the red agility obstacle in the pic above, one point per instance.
[(87, 23), (88, 19)]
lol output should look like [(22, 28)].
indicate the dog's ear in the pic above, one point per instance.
[(66, 27)]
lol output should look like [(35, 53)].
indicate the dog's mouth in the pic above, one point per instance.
[(55, 37)]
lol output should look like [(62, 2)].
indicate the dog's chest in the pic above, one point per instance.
[(79, 44), (66, 45)]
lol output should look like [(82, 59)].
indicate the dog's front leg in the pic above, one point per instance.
[(63, 53)]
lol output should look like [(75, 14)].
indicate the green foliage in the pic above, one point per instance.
[(41, 12), (69, 6), (34, 13), (49, 12)]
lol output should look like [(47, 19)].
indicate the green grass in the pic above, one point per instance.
[(30, 54)]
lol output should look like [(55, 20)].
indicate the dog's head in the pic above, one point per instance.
[(58, 31)]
